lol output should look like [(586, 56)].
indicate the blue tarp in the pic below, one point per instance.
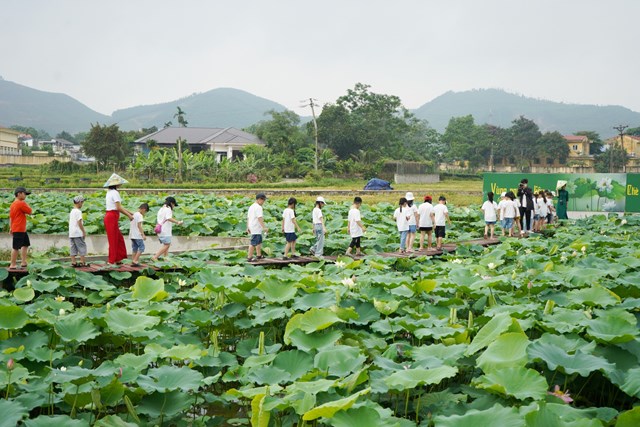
[(378, 184)]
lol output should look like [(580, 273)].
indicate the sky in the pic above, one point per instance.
[(117, 54)]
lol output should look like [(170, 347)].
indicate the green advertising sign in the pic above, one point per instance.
[(588, 192)]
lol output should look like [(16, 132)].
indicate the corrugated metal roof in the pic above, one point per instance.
[(202, 136)]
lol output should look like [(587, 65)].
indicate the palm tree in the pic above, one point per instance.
[(183, 123)]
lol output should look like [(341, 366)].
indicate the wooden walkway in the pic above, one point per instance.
[(270, 261)]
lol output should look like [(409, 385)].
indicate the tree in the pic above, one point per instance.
[(183, 123), (596, 145), (107, 144), (524, 134), (615, 155), (66, 135), (633, 131), (552, 145), (282, 133)]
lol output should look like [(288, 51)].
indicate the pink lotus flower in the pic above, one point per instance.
[(564, 395), (10, 365)]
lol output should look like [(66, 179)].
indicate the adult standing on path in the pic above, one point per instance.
[(563, 199), (525, 196), (117, 247)]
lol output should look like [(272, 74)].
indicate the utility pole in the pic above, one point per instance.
[(312, 104), (620, 129)]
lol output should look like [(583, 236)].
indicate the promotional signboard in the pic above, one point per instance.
[(588, 192)]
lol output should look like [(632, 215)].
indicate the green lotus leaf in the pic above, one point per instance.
[(446, 354), (631, 385), (276, 291), (327, 410), (73, 374), (356, 417), (630, 418), (594, 295), (12, 412), (92, 281), (253, 361), (165, 404), (581, 276), (44, 285), (170, 378), (12, 317), (506, 417), (267, 375), (183, 351), (571, 361), (412, 378), (24, 294), (132, 361), (508, 350), (75, 327), (55, 421), (4, 273), (147, 289), (120, 275), (613, 326), (317, 300), (269, 314), (122, 321), (312, 387), (318, 319), (519, 382), (113, 421), (563, 320), (386, 307), (489, 332), (54, 271), (297, 363), (198, 317), (339, 360)]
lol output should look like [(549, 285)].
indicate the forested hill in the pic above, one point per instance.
[(223, 107), (53, 112), (500, 108)]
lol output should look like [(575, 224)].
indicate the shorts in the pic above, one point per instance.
[(355, 242), (165, 240), (137, 245), (256, 239), (490, 222), (20, 240), (507, 223), (77, 246), (412, 229), (290, 237), (536, 217), (426, 228), (441, 231)]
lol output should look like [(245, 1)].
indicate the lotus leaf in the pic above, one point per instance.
[(268, 375), (75, 328), (296, 363), (147, 289), (412, 378), (595, 295), (506, 417), (276, 291), (489, 332), (613, 326), (164, 404), (339, 360), (518, 382), (122, 321), (55, 421), (508, 350), (12, 412), (113, 421), (328, 410), (357, 417), (571, 361), (259, 417), (170, 378), (12, 317), (630, 418), (24, 294), (317, 300), (184, 351)]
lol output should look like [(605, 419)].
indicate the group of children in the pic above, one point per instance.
[(19, 210), (426, 218), (509, 212)]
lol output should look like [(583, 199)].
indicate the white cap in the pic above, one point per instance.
[(321, 200), (409, 196), (503, 194)]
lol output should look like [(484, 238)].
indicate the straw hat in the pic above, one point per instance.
[(561, 183), (115, 179)]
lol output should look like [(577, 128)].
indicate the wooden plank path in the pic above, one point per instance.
[(270, 261)]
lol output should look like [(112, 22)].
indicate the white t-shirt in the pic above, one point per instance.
[(287, 217), (412, 217), (164, 214), (509, 208), (255, 212), (489, 209), (439, 211), (354, 216), (113, 196), (134, 231), (316, 215), (542, 207), (549, 206), (425, 210), (502, 206), (402, 215), (74, 229)]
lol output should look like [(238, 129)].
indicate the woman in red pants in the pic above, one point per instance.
[(117, 247)]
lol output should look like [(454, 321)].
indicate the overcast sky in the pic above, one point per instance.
[(122, 53)]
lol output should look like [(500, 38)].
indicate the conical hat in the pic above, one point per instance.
[(115, 179), (561, 183)]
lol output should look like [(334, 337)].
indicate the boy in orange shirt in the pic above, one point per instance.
[(18, 227)]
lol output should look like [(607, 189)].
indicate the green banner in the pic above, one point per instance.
[(588, 192)]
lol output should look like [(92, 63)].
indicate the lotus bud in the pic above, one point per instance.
[(63, 368), (61, 312), (261, 344), (60, 298), (548, 307), (491, 300), (80, 362), (10, 365), (491, 266), (574, 254), (583, 249), (214, 340), (119, 372), (470, 320), (181, 282), (587, 314), (514, 276), (108, 307), (623, 222), (28, 283), (530, 285), (453, 316), (338, 297)]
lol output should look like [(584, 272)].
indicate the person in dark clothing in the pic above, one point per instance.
[(525, 196)]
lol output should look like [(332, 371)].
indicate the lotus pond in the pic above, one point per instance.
[(530, 332)]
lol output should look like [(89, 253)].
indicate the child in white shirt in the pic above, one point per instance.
[(402, 216), (490, 217), (289, 226)]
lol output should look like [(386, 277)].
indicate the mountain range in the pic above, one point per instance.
[(227, 107)]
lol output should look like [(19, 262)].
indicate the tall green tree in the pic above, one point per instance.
[(596, 145), (108, 145), (552, 145), (182, 121), (67, 136), (614, 158), (524, 134), (282, 133)]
